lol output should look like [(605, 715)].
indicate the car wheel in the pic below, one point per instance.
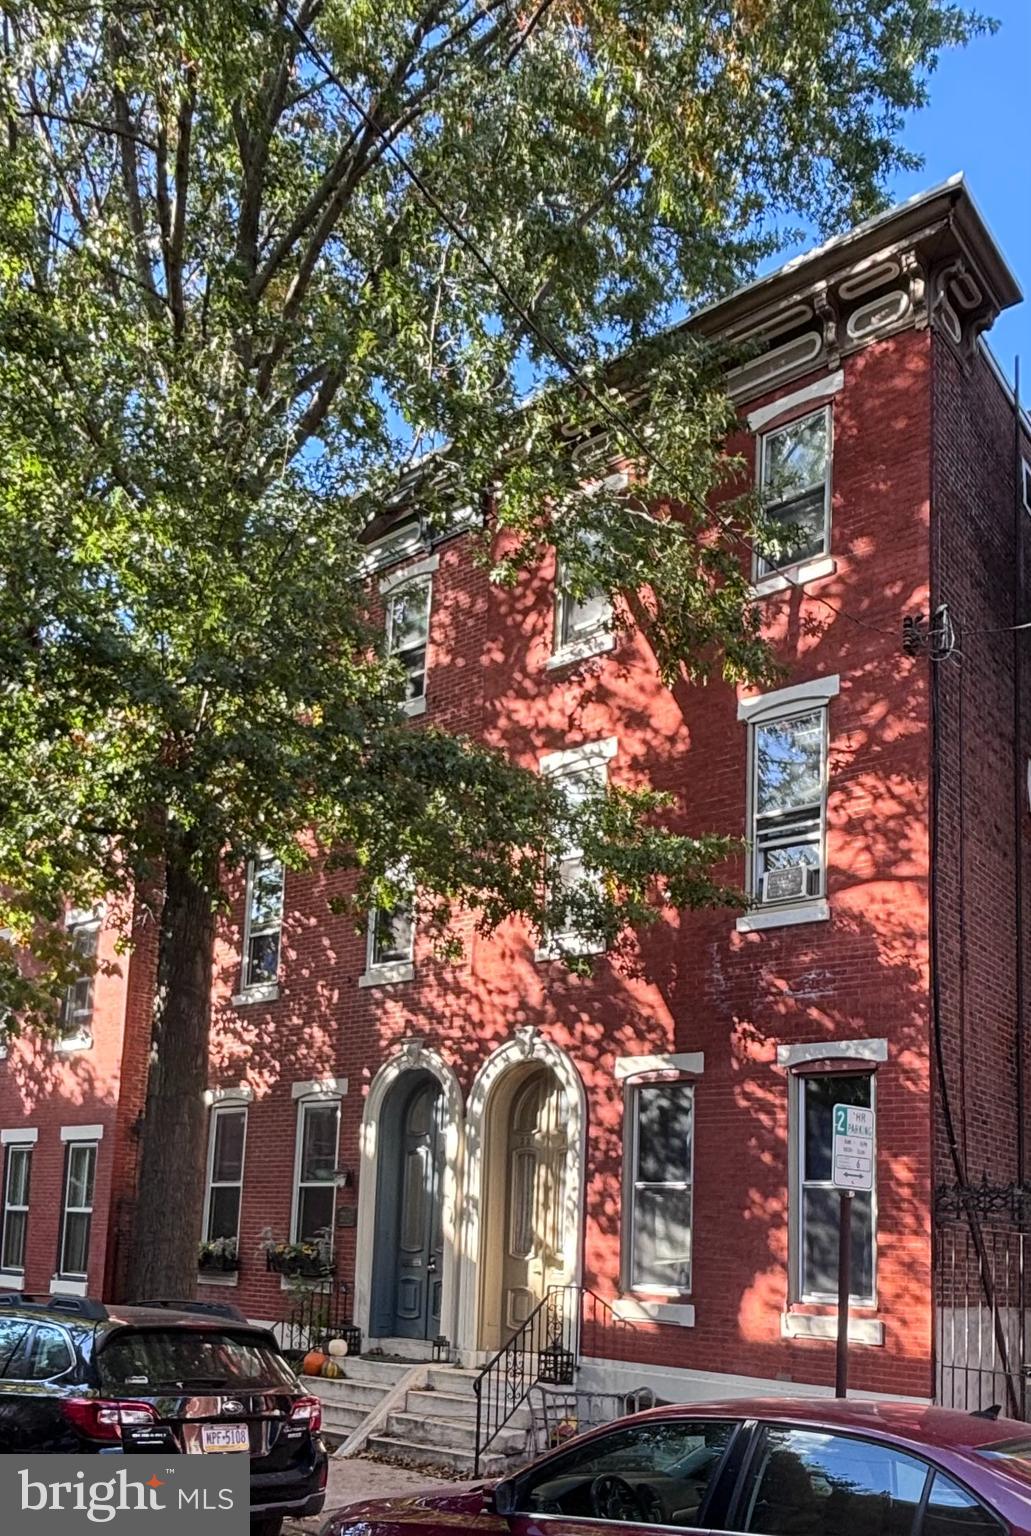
[(267, 1525)]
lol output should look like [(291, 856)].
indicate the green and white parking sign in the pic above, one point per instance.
[(854, 1148)]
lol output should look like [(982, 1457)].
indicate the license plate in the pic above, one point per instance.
[(224, 1437)]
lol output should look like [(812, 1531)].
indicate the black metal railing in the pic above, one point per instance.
[(545, 1350), (320, 1312)]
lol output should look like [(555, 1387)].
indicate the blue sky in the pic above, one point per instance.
[(979, 122)]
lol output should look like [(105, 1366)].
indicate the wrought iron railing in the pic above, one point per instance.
[(320, 1312), (545, 1350)]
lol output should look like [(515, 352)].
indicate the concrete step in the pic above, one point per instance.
[(455, 1434), (341, 1421), (444, 1405), (373, 1373), (348, 1394), (452, 1379), (409, 1453)]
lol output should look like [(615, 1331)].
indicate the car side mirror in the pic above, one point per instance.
[(500, 1500)]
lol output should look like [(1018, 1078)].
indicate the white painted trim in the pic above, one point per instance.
[(413, 1057), (320, 1088), (832, 1050), (387, 975), (59, 1286), (579, 757), (261, 992), (12, 1279), (242, 1094), (397, 579), (399, 544), (413, 707), (231, 1106), (525, 1046), (635, 1309), (820, 389), (27, 1137), (784, 917), (795, 576), (82, 1133), (861, 1330), (597, 644), (228, 1277), (636, 1066), (817, 690)]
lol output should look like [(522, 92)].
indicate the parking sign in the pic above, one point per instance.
[(854, 1147)]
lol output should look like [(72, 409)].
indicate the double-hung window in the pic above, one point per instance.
[(390, 941), (658, 1187), (819, 1202), (77, 1208), (789, 796), (318, 1129), (225, 1172), (408, 622), (581, 775), (17, 1169), (794, 485), (263, 924), (583, 618), (77, 1008)]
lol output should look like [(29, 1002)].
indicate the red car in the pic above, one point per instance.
[(771, 1467)]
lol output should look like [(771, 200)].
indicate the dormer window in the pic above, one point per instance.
[(794, 484)]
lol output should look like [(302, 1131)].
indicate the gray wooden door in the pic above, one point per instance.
[(420, 1241)]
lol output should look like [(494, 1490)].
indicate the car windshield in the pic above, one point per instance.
[(187, 1357)]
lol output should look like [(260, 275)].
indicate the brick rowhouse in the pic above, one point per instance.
[(472, 1132)]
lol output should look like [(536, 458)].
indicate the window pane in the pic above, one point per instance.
[(662, 1238), (319, 1150), (13, 1256), (18, 1159), (80, 1176), (795, 458), (75, 1257), (799, 525), (263, 958), (665, 1128), (393, 935), (267, 893), (584, 615), (952, 1510), (789, 764), (409, 611), (821, 1095), (820, 1211), (415, 668), (809, 1481), (227, 1161), (49, 1355), (12, 1337), (315, 1212), (667, 1465), (224, 1212)]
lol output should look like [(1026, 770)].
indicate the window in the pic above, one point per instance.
[(49, 1355), (225, 1172), (653, 1473), (391, 938), (77, 1008), (660, 1165), (17, 1166), (408, 619), (583, 619), (582, 774), (811, 1481), (317, 1131), (951, 1511), (788, 801), (820, 1201), (263, 923), (794, 483), (79, 1170), (14, 1336)]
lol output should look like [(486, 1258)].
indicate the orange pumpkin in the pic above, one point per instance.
[(331, 1368), (313, 1362)]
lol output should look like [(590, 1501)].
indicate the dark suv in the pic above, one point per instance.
[(79, 1376)]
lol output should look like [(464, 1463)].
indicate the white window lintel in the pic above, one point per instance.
[(819, 389), (242, 1094), (320, 1088), (82, 1133), (638, 1066), (817, 690), (398, 579), (26, 1137), (831, 1050), (580, 757)]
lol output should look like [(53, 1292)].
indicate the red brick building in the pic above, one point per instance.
[(470, 1133)]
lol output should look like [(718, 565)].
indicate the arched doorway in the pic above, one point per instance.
[(409, 1238), (526, 1235)]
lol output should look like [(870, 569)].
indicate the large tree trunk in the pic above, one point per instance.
[(170, 1197)]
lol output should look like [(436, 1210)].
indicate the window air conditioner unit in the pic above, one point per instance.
[(794, 882)]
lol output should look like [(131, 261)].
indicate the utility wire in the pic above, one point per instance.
[(557, 350)]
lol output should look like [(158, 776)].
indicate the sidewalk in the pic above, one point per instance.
[(356, 1478)]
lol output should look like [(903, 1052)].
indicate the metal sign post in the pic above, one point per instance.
[(853, 1155)]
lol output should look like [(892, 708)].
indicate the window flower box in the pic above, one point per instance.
[(219, 1254)]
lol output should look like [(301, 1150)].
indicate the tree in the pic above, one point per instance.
[(258, 263)]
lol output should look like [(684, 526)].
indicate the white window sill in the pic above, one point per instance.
[(387, 975), (795, 576), (784, 917), (634, 1309), (60, 1286), (412, 707), (580, 650), (218, 1277), (72, 1043), (568, 945), (861, 1330), (12, 1279), (266, 992)]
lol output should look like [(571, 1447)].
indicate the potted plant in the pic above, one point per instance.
[(218, 1253), (310, 1259)]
